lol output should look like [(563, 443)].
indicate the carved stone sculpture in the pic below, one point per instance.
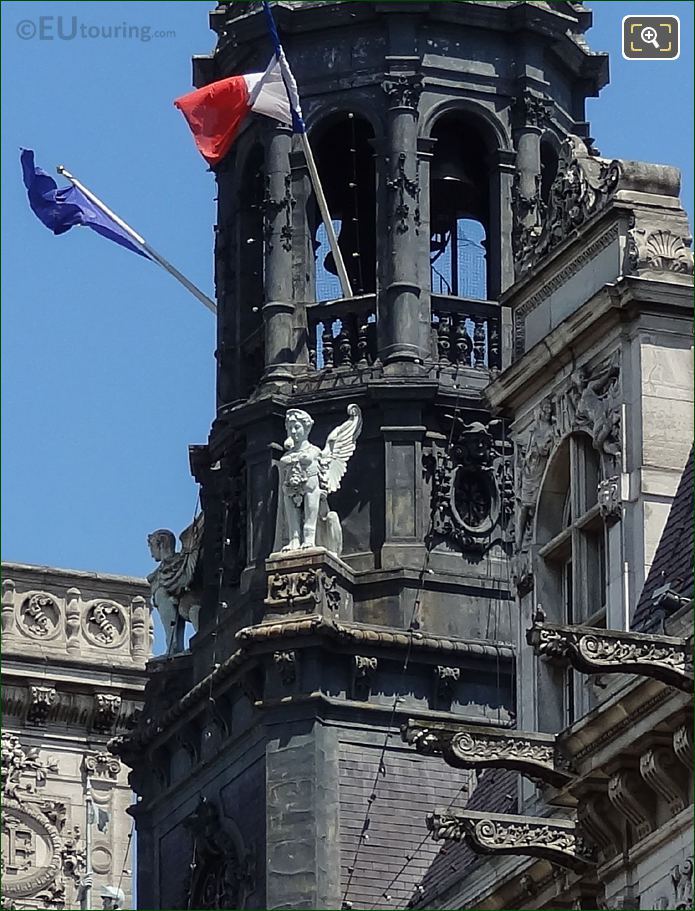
[(171, 583), (307, 476), (594, 406), (531, 462)]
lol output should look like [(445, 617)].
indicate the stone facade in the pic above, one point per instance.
[(74, 647), (511, 474)]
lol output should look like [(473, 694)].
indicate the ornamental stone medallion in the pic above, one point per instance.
[(104, 624), (30, 850), (39, 616)]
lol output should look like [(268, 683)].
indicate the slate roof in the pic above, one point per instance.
[(673, 560), (496, 791)]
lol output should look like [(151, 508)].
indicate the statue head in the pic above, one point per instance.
[(298, 425), (162, 544), (112, 898)]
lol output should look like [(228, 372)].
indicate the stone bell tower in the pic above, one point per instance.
[(268, 761)]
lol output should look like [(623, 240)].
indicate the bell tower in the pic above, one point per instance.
[(268, 762)]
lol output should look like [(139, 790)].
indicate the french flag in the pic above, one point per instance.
[(216, 112)]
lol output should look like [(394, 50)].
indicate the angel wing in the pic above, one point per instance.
[(339, 447), (180, 570)]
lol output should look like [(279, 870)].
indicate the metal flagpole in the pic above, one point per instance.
[(172, 270), (326, 216), (300, 128)]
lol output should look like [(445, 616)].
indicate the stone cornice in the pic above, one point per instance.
[(301, 632), (558, 840), (601, 651), (467, 746)]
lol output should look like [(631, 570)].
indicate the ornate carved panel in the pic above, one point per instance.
[(472, 487), (489, 833), (104, 623)]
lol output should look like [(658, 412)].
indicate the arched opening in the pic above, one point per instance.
[(460, 212), (345, 161)]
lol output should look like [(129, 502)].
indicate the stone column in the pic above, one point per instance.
[(501, 259), (278, 310), (403, 326)]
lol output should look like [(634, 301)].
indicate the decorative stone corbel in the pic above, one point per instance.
[(557, 840), (661, 771), (106, 709), (597, 818), (445, 680), (627, 794), (41, 700), (600, 651), (609, 503), (363, 671), (466, 746), (286, 663), (683, 745)]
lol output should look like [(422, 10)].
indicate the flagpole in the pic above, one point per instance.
[(165, 264), (326, 216), (300, 128)]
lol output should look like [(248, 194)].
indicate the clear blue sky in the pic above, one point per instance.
[(107, 368)]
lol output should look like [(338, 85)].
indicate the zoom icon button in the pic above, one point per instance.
[(651, 37)]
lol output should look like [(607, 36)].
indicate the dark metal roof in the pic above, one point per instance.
[(496, 792), (673, 560)]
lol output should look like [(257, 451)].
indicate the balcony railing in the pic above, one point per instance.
[(465, 333), (343, 333)]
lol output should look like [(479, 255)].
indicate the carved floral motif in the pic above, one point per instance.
[(598, 651), (105, 623), (555, 840)]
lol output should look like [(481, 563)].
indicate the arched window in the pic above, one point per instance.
[(345, 161), (570, 534), (459, 208)]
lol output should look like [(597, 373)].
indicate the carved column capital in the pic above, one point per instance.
[(403, 90)]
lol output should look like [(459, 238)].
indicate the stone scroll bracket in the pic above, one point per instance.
[(467, 746), (558, 840), (599, 651)]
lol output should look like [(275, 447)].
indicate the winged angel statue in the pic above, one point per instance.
[(307, 476), (171, 581)]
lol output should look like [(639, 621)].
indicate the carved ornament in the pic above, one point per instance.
[(599, 651), (101, 764), (39, 616), (470, 747), (286, 663), (559, 841), (106, 710), (305, 590), (105, 624), (659, 250), (403, 90), (582, 187), (472, 488), (363, 673), (682, 879), (41, 700), (609, 502)]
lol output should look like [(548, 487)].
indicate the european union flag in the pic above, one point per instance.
[(62, 209)]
